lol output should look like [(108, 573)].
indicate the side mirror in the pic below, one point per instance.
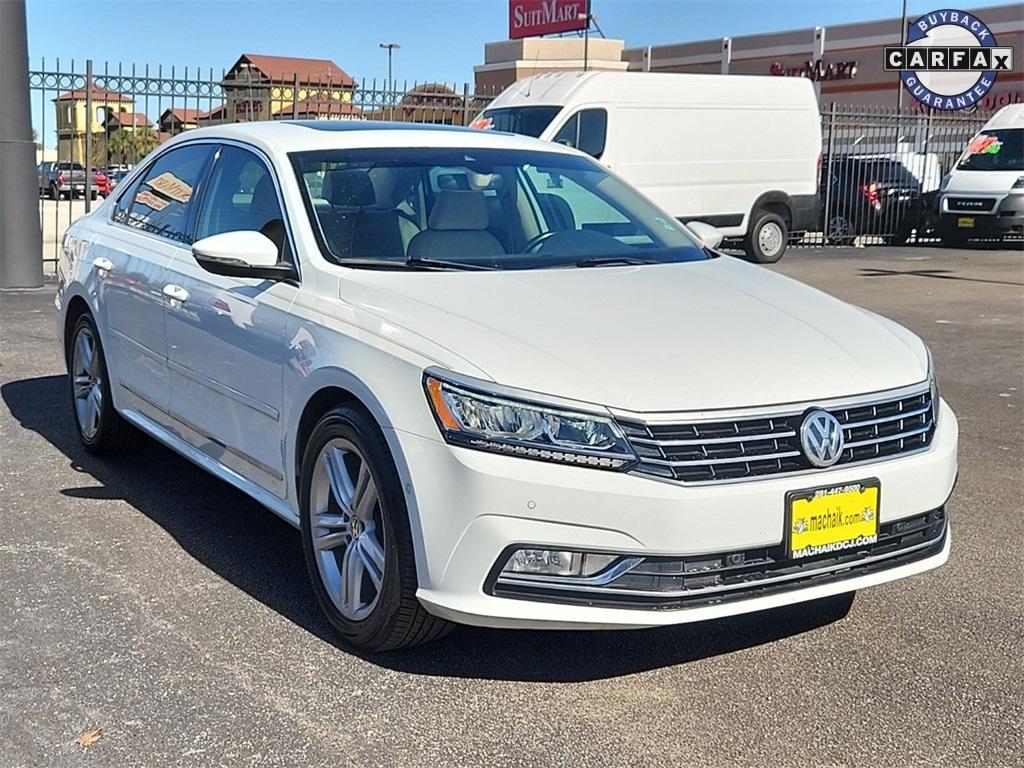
[(241, 254), (711, 236)]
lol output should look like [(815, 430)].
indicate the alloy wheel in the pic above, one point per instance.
[(839, 228), (87, 383), (347, 529)]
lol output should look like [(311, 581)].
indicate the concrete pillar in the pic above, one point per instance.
[(21, 241)]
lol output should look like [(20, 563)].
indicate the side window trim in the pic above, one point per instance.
[(201, 197)]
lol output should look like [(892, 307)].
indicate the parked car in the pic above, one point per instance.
[(492, 384), (869, 196), (69, 180), (115, 175), (101, 182), (983, 196), (740, 153)]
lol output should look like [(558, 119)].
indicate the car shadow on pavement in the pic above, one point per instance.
[(260, 554), (937, 274)]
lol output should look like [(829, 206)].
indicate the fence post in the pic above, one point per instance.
[(21, 239), (88, 137), (827, 170), (295, 97), (466, 106)]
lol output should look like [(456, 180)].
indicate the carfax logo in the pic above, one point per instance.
[(950, 60)]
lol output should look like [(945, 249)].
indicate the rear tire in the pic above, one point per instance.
[(767, 237), (101, 429), (356, 536)]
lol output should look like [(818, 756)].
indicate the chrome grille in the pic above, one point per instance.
[(718, 451)]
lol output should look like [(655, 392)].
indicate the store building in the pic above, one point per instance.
[(844, 61)]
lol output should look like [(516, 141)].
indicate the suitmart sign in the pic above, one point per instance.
[(529, 18), (950, 60)]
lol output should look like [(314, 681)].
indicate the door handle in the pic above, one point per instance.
[(176, 293), (102, 265)]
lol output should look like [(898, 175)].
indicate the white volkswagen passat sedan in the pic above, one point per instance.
[(492, 384)]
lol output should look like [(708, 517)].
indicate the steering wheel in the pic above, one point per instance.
[(534, 243)]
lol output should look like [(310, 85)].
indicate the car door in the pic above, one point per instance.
[(150, 219), (226, 335)]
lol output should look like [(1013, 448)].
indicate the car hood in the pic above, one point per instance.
[(693, 336), (983, 182)]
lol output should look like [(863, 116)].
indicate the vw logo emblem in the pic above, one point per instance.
[(821, 437)]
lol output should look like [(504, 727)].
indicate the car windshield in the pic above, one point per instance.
[(481, 209), (529, 121), (999, 150)]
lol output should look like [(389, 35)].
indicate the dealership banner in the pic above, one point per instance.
[(529, 18)]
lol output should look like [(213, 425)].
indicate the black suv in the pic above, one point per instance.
[(868, 196)]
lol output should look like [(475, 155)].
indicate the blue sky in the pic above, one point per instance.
[(441, 39)]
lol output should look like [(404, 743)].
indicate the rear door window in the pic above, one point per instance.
[(162, 203)]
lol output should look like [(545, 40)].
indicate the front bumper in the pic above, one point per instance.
[(982, 225), (1005, 218), (470, 507)]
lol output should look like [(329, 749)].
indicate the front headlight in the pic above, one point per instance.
[(506, 424)]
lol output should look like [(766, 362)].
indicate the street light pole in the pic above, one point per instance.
[(391, 83), (21, 240), (585, 17), (588, 17)]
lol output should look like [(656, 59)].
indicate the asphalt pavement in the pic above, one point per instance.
[(144, 598)]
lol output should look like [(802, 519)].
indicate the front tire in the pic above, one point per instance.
[(101, 429), (767, 237), (356, 536)]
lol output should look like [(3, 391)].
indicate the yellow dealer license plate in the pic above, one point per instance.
[(828, 520), (965, 222)]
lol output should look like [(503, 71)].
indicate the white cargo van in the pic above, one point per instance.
[(741, 153), (983, 196)]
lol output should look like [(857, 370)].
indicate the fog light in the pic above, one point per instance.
[(554, 562)]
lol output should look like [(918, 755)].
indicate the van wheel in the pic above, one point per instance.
[(53, 192), (356, 536), (767, 237)]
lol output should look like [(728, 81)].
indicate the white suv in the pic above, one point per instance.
[(492, 384)]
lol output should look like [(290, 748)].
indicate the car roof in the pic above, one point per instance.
[(303, 135)]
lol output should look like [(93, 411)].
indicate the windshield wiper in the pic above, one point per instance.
[(406, 263), (441, 264), (614, 261)]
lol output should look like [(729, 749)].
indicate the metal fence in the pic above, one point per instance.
[(879, 172), (107, 117)]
